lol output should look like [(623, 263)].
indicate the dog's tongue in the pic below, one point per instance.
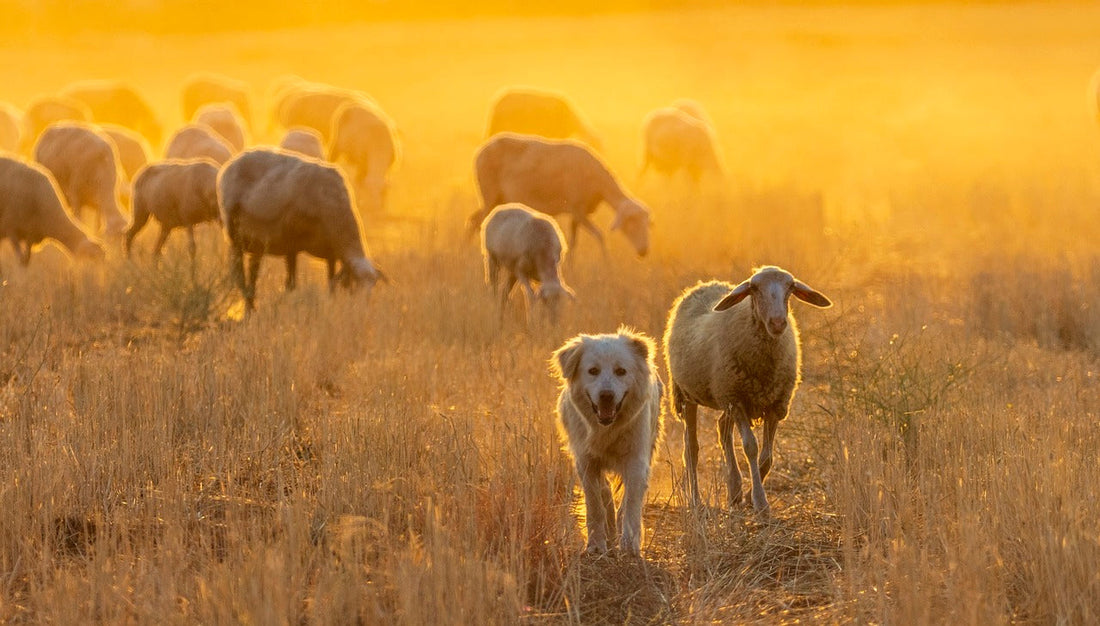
[(606, 408)]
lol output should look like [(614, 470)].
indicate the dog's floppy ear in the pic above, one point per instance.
[(640, 345), (567, 358)]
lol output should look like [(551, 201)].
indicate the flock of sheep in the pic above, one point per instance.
[(73, 164)]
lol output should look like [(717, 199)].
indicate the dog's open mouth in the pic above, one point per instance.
[(607, 409)]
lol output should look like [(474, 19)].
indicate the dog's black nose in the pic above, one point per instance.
[(607, 396)]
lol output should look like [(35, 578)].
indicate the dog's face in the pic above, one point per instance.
[(607, 375)]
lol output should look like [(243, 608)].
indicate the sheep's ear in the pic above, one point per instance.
[(567, 359), (803, 292), (739, 293)]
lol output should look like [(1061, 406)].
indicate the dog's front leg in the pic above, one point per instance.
[(635, 483), (596, 493)]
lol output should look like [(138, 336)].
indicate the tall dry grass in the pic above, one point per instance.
[(394, 459)]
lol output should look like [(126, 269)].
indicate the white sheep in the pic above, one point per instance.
[(529, 246), (46, 110), (117, 103), (675, 140), (179, 194), (538, 112), (313, 105), (556, 177), (208, 88), (273, 202), (31, 209), (226, 120), (364, 142), (84, 161), (736, 349), (196, 141), (11, 127), (304, 141)]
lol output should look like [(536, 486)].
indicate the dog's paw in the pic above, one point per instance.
[(593, 549)]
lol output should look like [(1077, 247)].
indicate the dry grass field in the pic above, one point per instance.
[(935, 170)]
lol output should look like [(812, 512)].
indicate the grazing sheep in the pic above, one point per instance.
[(208, 88), (313, 105), (536, 112), (692, 108), (273, 202), (11, 122), (84, 161), (117, 103), (675, 140), (609, 412), (226, 121), (739, 357), (31, 209), (529, 246), (556, 177), (180, 194), (46, 110), (196, 141), (365, 145), (304, 141), (133, 150)]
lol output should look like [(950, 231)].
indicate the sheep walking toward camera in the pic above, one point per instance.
[(179, 194), (226, 120), (537, 112), (84, 161), (675, 140), (529, 247), (273, 202), (556, 177), (736, 349), (198, 141), (304, 141), (31, 209), (364, 143)]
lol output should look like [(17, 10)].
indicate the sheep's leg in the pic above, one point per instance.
[(748, 443), (765, 461), (492, 271), (291, 271), (253, 274), (509, 284), (236, 270), (528, 296), (635, 482), (691, 449), (22, 250), (330, 268), (591, 228), (140, 219), (597, 493), (733, 473), (192, 247), (161, 238)]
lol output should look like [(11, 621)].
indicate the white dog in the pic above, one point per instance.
[(610, 410)]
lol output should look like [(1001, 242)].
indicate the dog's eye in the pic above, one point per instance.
[(619, 371), (594, 371)]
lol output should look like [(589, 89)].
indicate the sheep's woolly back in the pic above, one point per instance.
[(723, 358), (32, 209), (513, 230), (193, 141)]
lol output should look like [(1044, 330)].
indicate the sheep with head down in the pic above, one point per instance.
[(226, 121), (32, 209), (84, 161), (274, 202), (115, 102), (528, 246), (179, 194), (197, 141), (735, 349), (556, 177), (314, 105), (209, 88), (304, 141), (364, 143), (530, 111)]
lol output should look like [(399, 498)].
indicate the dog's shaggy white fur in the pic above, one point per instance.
[(610, 410)]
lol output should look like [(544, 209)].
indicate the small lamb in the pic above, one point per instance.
[(529, 246), (179, 194), (736, 349), (31, 209), (273, 202), (556, 177)]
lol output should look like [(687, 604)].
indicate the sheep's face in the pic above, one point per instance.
[(359, 273), (552, 295), (633, 219), (771, 289)]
